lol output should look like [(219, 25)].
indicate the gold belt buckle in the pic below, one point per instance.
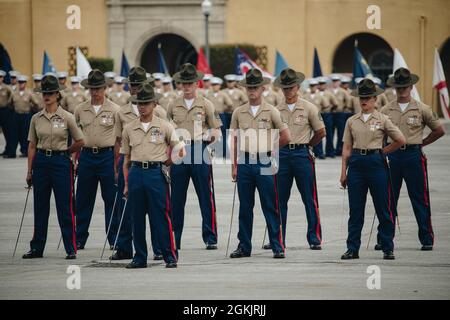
[(95, 150), (403, 147), (48, 152), (363, 152), (145, 165)]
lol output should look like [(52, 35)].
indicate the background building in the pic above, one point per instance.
[(293, 27)]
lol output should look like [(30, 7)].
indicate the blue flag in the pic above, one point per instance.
[(162, 66), (280, 64), (124, 68), (47, 64), (360, 66), (5, 63), (317, 70)]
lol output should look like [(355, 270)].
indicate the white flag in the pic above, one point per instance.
[(441, 85), (399, 62), (83, 66)]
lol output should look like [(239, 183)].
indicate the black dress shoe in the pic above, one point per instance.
[(171, 265), (321, 157), (80, 246), (278, 255), (239, 253), (32, 254), (24, 156), (136, 265), (427, 248), (267, 246), (315, 247), (119, 255), (211, 246), (350, 255), (158, 257), (9, 156), (388, 255), (71, 256), (378, 247)]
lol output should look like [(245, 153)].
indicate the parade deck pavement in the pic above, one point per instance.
[(202, 274)]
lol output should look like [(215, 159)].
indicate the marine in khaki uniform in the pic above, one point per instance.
[(364, 157), (76, 96), (168, 93), (236, 95), (331, 104), (50, 168), (198, 125), (23, 107), (13, 74), (96, 118), (110, 75), (62, 78), (409, 163), (254, 126), (36, 98), (271, 97), (316, 99), (222, 104), (296, 160), (339, 115), (128, 113), (119, 96), (7, 118), (204, 92), (147, 145), (158, 76), (390, 92)]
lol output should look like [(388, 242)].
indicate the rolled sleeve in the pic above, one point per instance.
[(32, 137)]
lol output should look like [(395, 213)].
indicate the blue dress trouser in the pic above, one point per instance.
[(148, 193), (53, 173), (125, 238), (7, 122), (22, 126), (92, 169), (329, 128), (370, 172), (249, 178), (339, 119), (200, 171), (411, 165), (298, 164)]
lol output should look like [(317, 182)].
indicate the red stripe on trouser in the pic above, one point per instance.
[(316, 203), (277, 210), (213, 206), (172, 240), (426, 193), (74, 240)]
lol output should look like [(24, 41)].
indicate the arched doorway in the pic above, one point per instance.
[(376, 51), (176, 50), (444, 53)]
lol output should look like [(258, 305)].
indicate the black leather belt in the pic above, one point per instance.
[(49, 152), (410, 146), (96, 150), (146, 164), (293, 146), (364, 152), (257, 155)]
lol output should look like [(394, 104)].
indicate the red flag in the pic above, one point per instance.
[(202, 65)]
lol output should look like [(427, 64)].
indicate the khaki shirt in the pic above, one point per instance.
[(330, 101), (51, 131), (382, 100), (72, 100), (151, 145), (390, 94), (316, 99), (196, 120), (271, 97), (342, 98), (370, 134), (413, 120), (37, 101), (256, 132), (123, 117), (167, 97), (237, 96), (119, 97), (302, 120), (22, 102), (98, 128), (5, 95), (222, 102)]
